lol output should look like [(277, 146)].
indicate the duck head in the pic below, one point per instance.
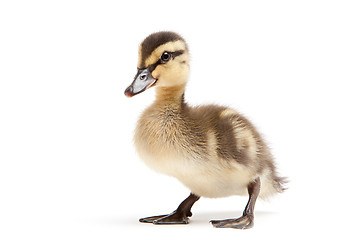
[(163, 61)]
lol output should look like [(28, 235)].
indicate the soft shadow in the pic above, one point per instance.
[(198, 218), (205, 217)]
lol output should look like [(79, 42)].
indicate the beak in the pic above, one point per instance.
[(143, 80)]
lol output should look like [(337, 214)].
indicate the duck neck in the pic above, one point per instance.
[(172, 97)]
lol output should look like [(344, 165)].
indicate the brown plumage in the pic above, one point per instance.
[(213, 150)]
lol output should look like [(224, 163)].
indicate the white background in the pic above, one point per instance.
[(68, 169)]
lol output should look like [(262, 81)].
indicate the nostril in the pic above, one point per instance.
[(143, 77)]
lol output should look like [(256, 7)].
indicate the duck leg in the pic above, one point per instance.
[(179, 216), (247, 219)]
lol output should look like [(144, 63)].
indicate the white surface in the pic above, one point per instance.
[(68, 169)]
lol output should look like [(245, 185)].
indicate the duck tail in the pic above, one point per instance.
[(280, 183)]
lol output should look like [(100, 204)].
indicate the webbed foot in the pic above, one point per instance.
[(247, 219), (179, 216), (172, 218), (151, 219), (244, 222)]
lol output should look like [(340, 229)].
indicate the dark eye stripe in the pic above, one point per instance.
[(172, 54), (177, 53)]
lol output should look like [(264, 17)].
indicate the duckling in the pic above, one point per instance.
[(213, 150)]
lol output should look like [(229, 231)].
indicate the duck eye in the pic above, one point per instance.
[(165, 57)]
